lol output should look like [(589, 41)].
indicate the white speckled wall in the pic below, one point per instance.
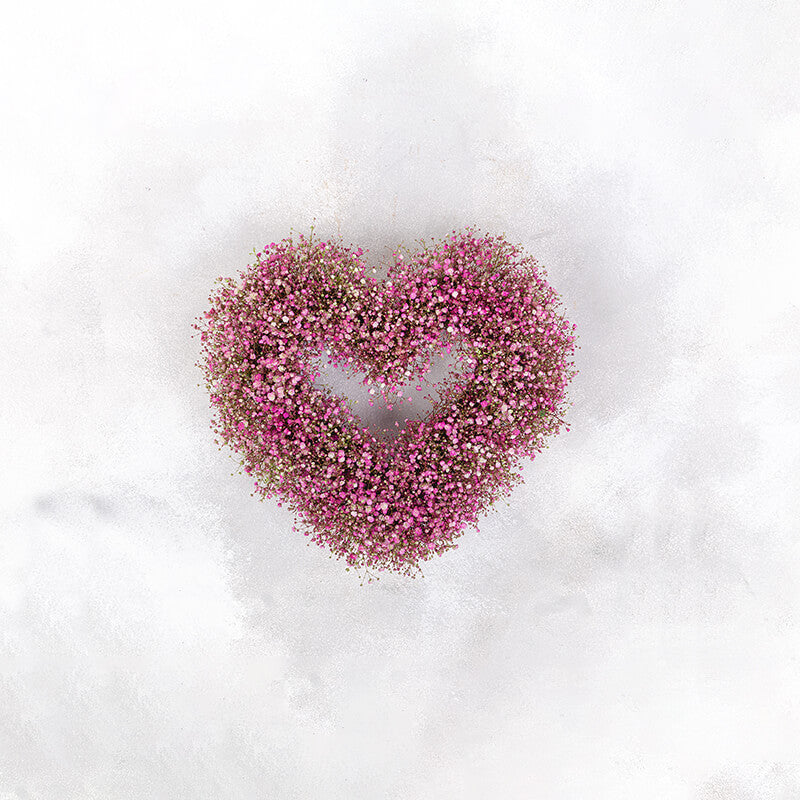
[(628, 626)]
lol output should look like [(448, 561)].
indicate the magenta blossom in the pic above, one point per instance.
[(379, 502)]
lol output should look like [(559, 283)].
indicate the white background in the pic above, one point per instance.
[(628, 626)]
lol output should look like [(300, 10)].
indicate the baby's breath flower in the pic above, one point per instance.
[(379, 502)]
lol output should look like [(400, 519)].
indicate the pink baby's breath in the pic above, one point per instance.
[(378, 502)]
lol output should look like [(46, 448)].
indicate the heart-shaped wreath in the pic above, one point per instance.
[(387, 502)]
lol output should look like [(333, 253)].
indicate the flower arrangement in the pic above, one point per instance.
[(387, 503)]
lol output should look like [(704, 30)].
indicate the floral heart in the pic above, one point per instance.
[(380, 502)]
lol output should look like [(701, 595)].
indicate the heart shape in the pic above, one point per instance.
[(385, 416), (387, 503)]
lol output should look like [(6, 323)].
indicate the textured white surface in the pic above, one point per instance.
[(627, 627)]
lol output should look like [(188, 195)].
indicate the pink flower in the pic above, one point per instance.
[(353, 491)]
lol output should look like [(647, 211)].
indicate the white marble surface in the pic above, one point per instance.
[(627, 627)]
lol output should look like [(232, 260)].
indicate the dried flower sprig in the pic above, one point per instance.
[(387, 504)]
